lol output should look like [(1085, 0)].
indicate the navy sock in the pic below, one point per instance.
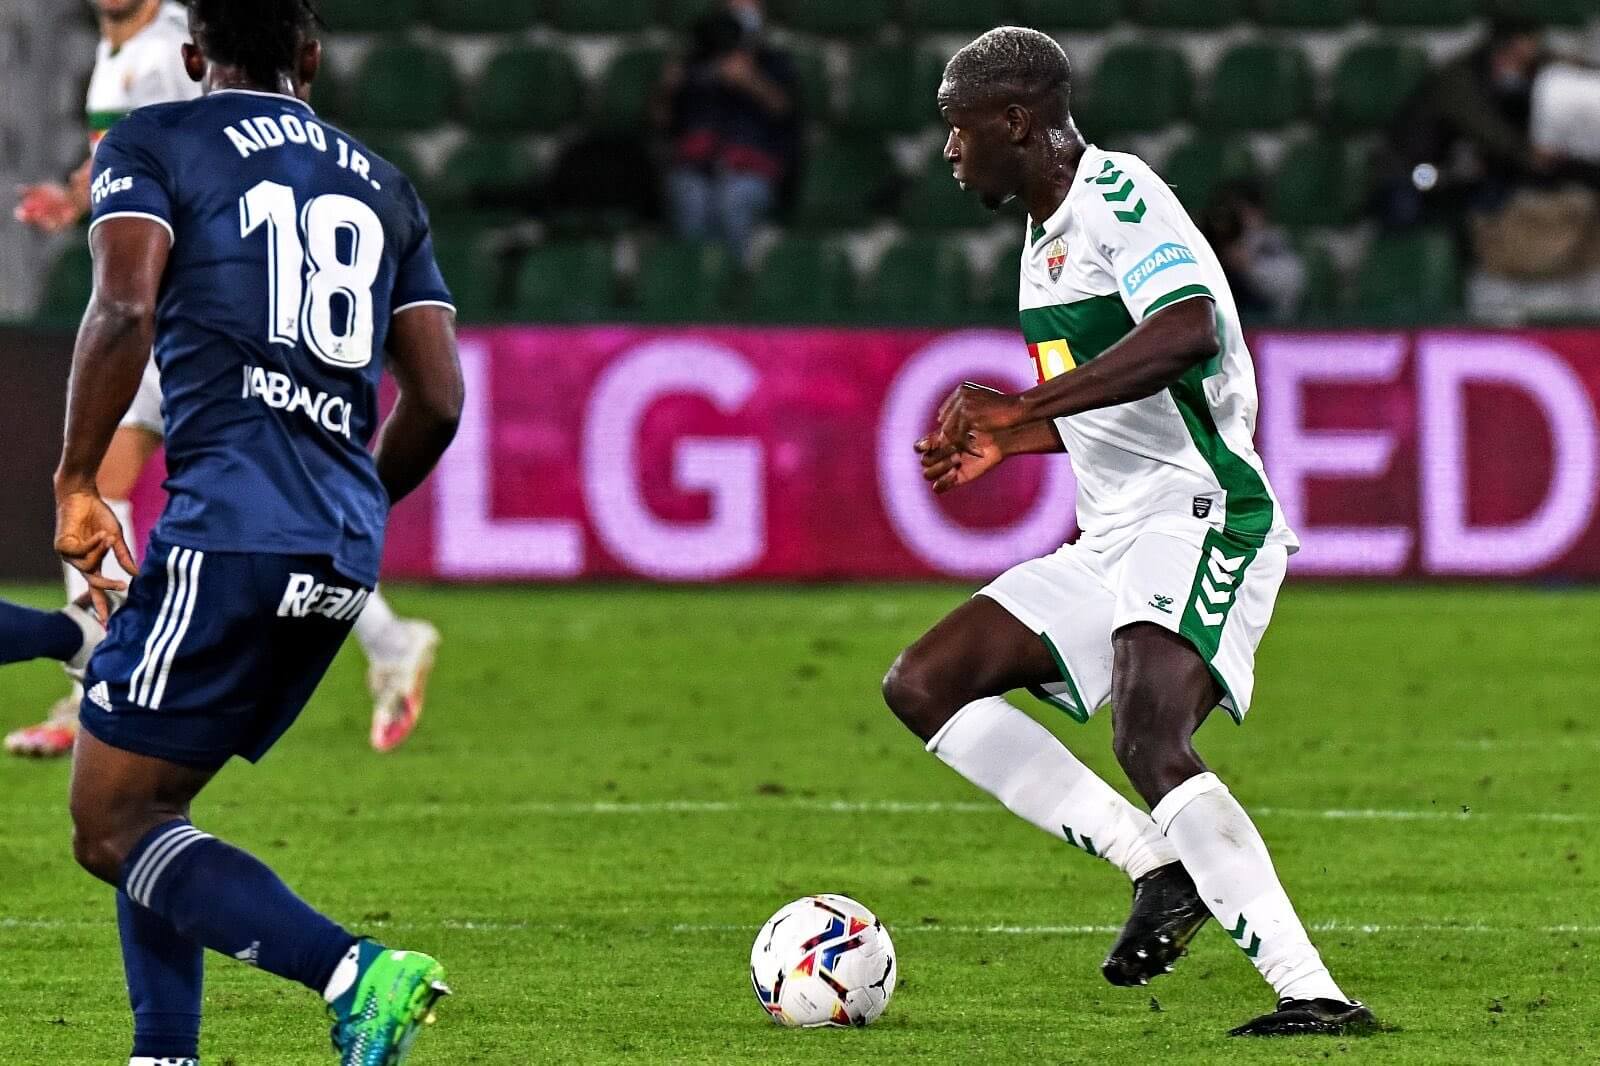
[(29, 634), (165, 971), (231, 902)]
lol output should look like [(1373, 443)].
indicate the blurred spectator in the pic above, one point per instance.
[(1264, 271), (730, 113)]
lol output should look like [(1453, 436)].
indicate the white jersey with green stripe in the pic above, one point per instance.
[(147, 69), (1118, 249)]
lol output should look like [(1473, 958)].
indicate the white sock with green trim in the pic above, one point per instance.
[(1020, 763), (1228, 860)]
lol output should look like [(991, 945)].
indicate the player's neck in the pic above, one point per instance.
[(1050, 177), (219, 78), (119, 31)]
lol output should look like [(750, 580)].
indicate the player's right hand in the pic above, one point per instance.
[(86, 531), (949, 467), (49, 206)]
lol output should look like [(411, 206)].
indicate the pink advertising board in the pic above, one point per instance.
[(709, 454)]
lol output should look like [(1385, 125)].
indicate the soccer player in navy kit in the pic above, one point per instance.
[(274, 262)]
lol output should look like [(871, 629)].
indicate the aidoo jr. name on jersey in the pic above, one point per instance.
[(261, 133)]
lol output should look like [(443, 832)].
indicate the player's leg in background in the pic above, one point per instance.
[(948, 689), (1162, 691), (400, 656), (26, 633)]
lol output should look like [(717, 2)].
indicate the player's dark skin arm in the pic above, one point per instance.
[(423, 359), (130, 255)]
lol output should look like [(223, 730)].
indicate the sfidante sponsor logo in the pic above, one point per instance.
[(1168, 255)]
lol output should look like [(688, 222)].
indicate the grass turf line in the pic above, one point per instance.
[(621, 936)]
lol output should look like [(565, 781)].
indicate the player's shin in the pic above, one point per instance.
[(231, 902), (1224, 853), (165, 972), (1019, 762)]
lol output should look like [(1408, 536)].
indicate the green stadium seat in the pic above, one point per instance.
[(401, 86), (1373, 81), (1306, 14), (473, 270), (882, 95), (816, 86), (396, 149), (1070, 14), (1424, 12), (1136, 88), (919, 280), (1409, 277), (1198, 166), (1320, 299), (601, 16), (840, 18), (956, 16), (480, 16), (1258, 85), (682, 281), (997, 297), (801, 279), (525, 88), (1546, 12), (935, 201), (485, 175), (569, 281), (683, 14), (623, 99), (69, 284), (364, 16), (1317, 183), (1189, 14), (841, 183)]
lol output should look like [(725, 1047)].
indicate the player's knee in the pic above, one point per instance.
[(95, 849), (911, 689)]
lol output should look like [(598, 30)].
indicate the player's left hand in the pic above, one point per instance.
[(86, 532), (975, 409)]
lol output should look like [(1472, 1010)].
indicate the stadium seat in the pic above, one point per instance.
[(485, 175), (480, 16), (397, 150), (919, 280), (683, 14), (68, 285), (400, 86), (1258, 85), (524, 88), (841, 184), (842, 18), (1306, 14), (1188, 14), (956, 16), (682, 281), (364, 16), (997, 296), (1546, 12), (1373, 81), (801, 279), (1409, 277), (569, 281), (472, 270), (1424, 12), (1197, 167), (1136, 88), (1070, 14), (935, 201), (623, 96), (1320, 298), (600, 16), (816, 86), (882, 95), (1317, 184)]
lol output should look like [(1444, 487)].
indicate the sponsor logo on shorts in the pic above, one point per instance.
[(1162, 603), (1168, 255), (100, 696), (305, 596)]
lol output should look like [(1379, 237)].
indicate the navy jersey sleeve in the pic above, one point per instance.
[(128, 178), (419, 280)]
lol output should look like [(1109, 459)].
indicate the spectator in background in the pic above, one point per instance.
[(1266, 274), (731, 117)]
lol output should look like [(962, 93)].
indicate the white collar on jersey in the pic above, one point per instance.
[(261, 92)]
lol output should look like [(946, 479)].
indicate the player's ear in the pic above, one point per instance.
[(306, 67), (1019, 121), (194, 61)]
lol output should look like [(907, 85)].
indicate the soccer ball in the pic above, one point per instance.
[(823, 960)]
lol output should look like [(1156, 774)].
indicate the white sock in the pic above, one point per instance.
[(1228, 860), (1020, 763), (344, 974), (76, 585), (377, 629)]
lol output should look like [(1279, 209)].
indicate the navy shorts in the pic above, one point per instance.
[(215, 653)]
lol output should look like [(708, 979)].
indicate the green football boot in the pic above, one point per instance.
[(377, 1021)]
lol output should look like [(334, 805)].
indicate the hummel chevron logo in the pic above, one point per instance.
[(1217, 588), (1223, 568), (1086, 843), (1110, 175), (1237, 933)]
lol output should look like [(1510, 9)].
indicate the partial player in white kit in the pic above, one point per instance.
[(1157, 609), (139, 62)]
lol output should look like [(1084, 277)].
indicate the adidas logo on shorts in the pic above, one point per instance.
[(100, 696)]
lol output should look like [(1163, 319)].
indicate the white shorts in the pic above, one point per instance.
[(145, 412), (1199, 583)]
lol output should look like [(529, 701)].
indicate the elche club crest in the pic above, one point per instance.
[(1055, 258)]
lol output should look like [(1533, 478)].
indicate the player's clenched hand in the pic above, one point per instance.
[(975, 409), (86, 532), (949, 467), (48, 206)]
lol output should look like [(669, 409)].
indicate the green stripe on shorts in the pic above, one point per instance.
[(1217, 580)]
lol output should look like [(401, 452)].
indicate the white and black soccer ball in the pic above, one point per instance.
[(823, 960)]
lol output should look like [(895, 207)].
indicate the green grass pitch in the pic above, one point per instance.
[(614, 787)]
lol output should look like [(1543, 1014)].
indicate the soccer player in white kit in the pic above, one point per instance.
[(1157, 609), (139, 62)]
